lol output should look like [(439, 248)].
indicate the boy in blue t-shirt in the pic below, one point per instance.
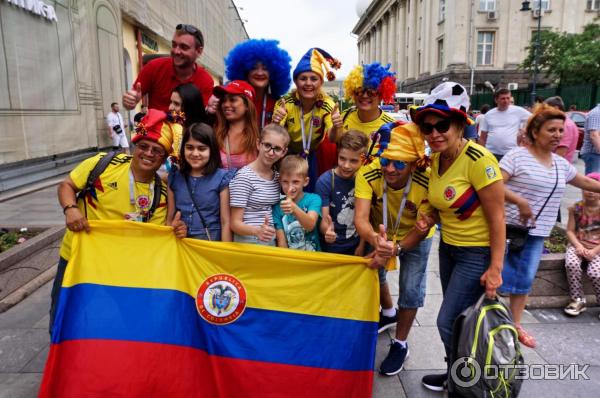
[(336, 189), (296, 216)]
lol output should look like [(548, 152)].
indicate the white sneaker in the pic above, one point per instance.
[(575, 307)]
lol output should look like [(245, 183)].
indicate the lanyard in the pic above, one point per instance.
[(134, 202), (264, 112), (305, 141), (400, 210), (229, 166)]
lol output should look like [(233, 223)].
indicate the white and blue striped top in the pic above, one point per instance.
[(534, 182)]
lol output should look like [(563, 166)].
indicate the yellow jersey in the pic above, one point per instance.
[(353, 122), (369, 185), (319, 118), (111, 199), (454, 194)]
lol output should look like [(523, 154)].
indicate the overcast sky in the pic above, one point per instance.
[(302, 24)]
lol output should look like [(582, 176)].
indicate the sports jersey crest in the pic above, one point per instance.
[(466, 204)]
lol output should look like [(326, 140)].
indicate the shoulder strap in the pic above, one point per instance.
[(187, 184), (93, 176), (155, 196), (549, 196)]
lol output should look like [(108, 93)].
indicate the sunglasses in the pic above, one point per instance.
[(192, 30), (268, 147), (398, 164), (144, 147), (371, 93), (441, 127)]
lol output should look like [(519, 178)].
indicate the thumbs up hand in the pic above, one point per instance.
[(179, 227), (330, 235), (266, 232), (383, 247), (132, 97), (279, 114), (288, 204), (336, 118)]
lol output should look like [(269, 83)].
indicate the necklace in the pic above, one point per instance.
[(306, 140), (452, 157)]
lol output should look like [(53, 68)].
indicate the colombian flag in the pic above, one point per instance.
[(142, 314)]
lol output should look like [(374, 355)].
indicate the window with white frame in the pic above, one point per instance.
[(442, 15), (485, 48), (440, 54), (593, 5), (535, 5), (487, 5)]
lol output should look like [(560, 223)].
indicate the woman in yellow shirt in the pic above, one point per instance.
[(309, 115), (466, 188)]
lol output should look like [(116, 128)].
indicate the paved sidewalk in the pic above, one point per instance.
[(24, 339)]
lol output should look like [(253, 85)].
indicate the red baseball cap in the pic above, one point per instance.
[(239, 87)]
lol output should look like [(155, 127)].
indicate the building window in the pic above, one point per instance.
[(442, 15), (440, 53), (485, 48), (487, 5), (536, 5), (593, 5)]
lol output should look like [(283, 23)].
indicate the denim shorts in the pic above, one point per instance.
[(520, 267), (412, 276)]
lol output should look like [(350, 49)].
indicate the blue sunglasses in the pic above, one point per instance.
[(398, 164)]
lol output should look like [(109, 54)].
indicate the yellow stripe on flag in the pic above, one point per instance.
[(142, 255)]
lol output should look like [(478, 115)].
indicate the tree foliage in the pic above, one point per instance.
[(569, 58)]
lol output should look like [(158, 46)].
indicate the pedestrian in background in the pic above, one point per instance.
[(590, 150), (568, 143), (116, 129)]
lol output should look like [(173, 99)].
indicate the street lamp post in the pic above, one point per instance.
[(525, 7)]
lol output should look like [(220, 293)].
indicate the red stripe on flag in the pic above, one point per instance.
[(101, 368)]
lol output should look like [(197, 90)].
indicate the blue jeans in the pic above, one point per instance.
[(413, 275), (461, 268), (592, 162)]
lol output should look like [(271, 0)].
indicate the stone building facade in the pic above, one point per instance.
[(59, 75), (470, 41)]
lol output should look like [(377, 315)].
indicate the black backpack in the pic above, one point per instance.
[(485, 355)]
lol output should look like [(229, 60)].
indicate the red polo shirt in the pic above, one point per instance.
[(158, 80)]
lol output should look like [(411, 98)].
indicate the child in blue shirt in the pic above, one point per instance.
[(199, 187), (296, 216), (336, 189)]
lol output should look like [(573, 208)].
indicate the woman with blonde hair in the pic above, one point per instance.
[(237, 128)]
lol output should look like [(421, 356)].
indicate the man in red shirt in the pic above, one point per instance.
[(159, 77)]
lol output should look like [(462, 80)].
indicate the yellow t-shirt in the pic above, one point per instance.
[(353, 122), (321, 121), (454, 194), (369, 185), (111, 199)]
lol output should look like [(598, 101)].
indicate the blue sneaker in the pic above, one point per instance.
[(393, 363), (386, 322)]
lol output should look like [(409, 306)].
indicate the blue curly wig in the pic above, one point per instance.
[(243, 57)]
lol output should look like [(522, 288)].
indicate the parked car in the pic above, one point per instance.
[(579, 119)]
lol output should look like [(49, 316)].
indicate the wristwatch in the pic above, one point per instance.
[(398, 249)]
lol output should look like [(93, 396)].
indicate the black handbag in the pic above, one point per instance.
[(516, 235)]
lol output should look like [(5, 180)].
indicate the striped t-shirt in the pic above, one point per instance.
[(534, 182), (255, 195)]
